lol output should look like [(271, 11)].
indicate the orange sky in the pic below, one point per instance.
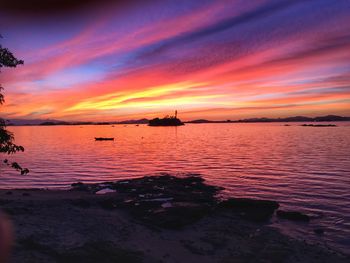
[(207, 59)]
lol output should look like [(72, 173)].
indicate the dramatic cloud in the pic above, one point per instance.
[(208, 59)]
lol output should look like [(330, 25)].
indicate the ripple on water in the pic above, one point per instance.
[(303, 169)]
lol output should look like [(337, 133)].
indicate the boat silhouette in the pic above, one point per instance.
[(103, 139)]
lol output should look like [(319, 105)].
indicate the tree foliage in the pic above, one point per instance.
[(7, 145)]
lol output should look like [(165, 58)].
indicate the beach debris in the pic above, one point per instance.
[(105, 191), (167, 205), (293, 215), (158, 199), (106, 184)]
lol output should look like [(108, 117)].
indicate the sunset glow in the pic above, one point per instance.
[(207, 59)]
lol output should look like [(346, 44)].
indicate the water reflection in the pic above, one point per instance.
[(306, 168)]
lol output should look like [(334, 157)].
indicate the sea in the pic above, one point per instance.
[(306, 169)]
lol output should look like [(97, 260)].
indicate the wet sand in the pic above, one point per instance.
[(81, 226)]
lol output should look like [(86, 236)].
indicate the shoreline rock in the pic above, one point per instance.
[(293, 215), (150, 219), (251, 209)]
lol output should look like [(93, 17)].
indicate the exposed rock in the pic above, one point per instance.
[(293, 215), (83, 232), (105, 191), (174, 202), (252, 209), (80, 187), (164, 201)]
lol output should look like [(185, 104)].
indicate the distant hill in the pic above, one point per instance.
[(287, 119), (332, 118), (51, 123), (208, 121), (140, 121), (200, 121), (298, 119), (48, 122), (19, 122), (36, 122)]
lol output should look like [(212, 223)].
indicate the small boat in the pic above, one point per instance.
[(103, 139)]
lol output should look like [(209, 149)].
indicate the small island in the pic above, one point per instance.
[(166, 121), (319, 125)]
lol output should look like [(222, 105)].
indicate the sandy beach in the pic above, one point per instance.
[(122, 226)]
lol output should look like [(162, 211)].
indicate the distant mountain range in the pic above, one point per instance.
[(38, 122), (19, 122), (48, 122), (287, 119)]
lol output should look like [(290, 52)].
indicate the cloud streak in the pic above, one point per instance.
[(208, 59)]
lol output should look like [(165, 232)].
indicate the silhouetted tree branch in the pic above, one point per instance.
[(7, 145)]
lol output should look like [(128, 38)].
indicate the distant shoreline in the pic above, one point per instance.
[(328, 118)]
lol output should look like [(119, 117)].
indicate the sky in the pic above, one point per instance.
[(216, 60)]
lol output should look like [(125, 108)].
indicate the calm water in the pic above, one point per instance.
[(304, 168)]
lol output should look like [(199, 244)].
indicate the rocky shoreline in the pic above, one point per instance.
[(151, 219)]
